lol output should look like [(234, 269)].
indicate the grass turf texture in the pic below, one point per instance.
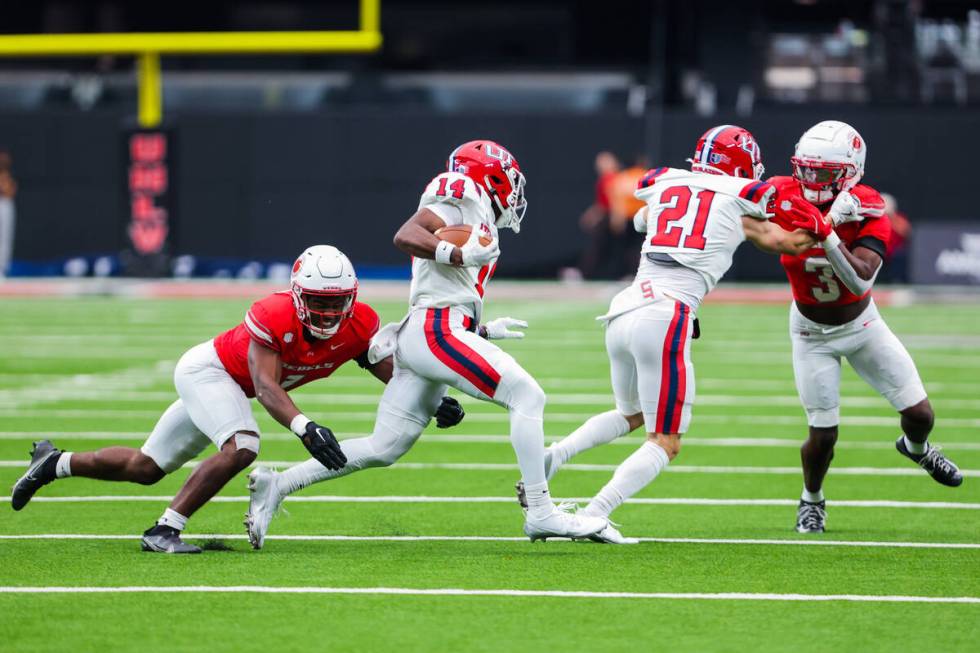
[(104, 379)]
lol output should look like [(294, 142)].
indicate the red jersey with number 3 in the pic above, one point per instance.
[(810, 274), (272, 322)]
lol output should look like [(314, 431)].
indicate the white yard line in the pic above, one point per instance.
[(564, 594), (501, 416), (486, 438), (675, 501), (117, 392), (574, 467), (490, 538)]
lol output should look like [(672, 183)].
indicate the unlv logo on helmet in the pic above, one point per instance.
[(856, 142), (297, 265)]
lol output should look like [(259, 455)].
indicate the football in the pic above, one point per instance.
[(459, 234)]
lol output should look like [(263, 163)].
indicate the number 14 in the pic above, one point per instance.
[(669, 234)]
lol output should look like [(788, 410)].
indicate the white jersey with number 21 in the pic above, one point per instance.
[(695, 219), (457, 200)]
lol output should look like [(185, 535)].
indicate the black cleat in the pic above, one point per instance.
[(941, 468), (39, 473), (166, 539), (811, 517)]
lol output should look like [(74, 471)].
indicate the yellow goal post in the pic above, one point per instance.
[(148, 46)]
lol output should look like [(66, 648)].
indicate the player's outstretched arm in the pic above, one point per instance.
[(774, 239), (417, 237), (265, 368), (856, 270)]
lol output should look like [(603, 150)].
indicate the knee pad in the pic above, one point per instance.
[(247, 441), (521, 392), (394, 434)]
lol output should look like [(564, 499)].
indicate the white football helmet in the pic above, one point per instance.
[(829, 158), (324, 287)]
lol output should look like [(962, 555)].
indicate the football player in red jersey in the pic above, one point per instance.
[(834, 316), (286, 340)]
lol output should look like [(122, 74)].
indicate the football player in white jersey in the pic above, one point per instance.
[(441, 342), (694, 220)]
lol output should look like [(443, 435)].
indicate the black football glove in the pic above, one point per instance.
[(322, 445), (449, 413)]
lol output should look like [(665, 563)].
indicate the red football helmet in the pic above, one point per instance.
[(496, 171), (728, 150)]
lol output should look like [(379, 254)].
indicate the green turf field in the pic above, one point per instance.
[(95, 372)]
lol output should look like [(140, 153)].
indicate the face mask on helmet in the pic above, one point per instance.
[(821, 180), (513, 213), (322, 313)]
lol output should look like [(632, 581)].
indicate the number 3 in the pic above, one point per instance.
[(830, 289)]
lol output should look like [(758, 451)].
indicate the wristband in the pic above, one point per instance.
[(298, 425), (444, 252), (832, 241)]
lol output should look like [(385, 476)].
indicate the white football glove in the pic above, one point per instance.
[(640, 221), (475, 255), (499, 329), (846, 208)]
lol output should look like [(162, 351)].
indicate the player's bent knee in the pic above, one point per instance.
[(921, 413), (635, 421), (525, 395), (144, 470), (243, 447)]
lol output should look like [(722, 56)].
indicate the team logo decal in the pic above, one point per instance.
[(297, 265), (288, 338), (498, 153), (856, 142)]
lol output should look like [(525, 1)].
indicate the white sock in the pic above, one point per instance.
[(634, 474), (918, 448), (173, 519), (539, 502), (305, 474), (597, 430), (812, 497), (62, 468)]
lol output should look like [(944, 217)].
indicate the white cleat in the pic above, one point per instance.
[(263, 504), (563, 524), (611, 535)]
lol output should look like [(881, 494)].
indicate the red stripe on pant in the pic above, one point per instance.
[(666, 358), (447, 357)]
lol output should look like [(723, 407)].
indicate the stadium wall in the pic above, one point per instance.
[(261, 186)]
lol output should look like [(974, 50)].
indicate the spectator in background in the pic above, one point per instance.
[(896, 252), (595, 220), (623, 205), (8, 189)]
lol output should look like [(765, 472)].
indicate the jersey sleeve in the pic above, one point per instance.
[(366, 324), (453, 197), (756, 199), (874, 234), (260, 323)]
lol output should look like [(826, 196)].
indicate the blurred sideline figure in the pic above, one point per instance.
[(833, 315), (441, 342), (286, 340), (896, 253), (623, 205), (594, 221), (8, 189), (692, 221)]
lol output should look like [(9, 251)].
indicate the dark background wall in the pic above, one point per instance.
[(263, 186)]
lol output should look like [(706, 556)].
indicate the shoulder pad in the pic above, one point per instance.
[(783, 183), (872, 203), (650, 177)]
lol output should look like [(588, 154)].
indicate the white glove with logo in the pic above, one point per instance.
[(499, 329), (475, 255), (846, 208)]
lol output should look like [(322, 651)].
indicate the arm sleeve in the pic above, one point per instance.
[(847, 274), (259, 324)]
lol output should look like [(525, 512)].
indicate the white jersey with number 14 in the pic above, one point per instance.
[(457, 200)]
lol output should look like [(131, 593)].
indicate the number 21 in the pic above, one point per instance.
[(669, 234)]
